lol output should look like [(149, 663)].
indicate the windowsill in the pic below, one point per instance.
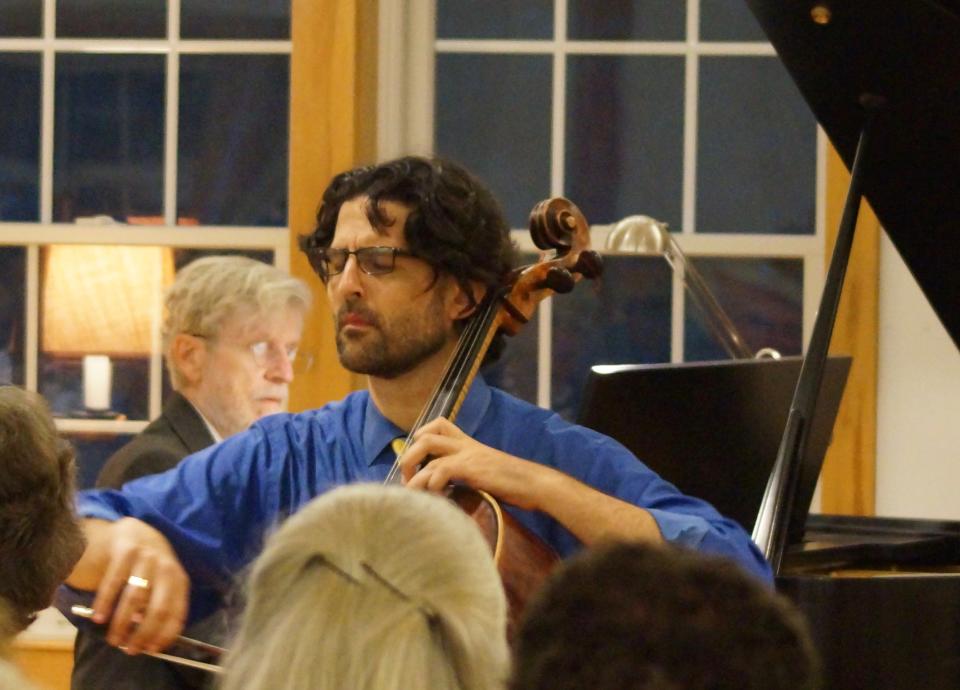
[(50, 631)]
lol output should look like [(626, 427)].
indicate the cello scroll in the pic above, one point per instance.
[(555, 224)]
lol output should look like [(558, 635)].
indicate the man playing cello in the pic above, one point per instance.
[(406, 250)]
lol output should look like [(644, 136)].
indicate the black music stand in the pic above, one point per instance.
[(881, 77)]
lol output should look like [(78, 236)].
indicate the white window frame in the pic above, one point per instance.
[(405, 126), (33, 236)]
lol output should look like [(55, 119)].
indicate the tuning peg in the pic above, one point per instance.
[(589, 264), (559, 280)]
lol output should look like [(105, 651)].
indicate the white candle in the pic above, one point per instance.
[(97, 374)]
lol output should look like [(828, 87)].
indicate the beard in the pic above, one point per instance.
[(390, 349)]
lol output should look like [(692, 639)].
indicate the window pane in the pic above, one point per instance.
[(20, 142), (108, 136), (757, 149), (93, 450), (625, 137), (511, 154), (61, 382), (12, 291), (762, 297), (516, 370), (627, 20), (112, 18), (181, 257), (104, 302), (728, 20), (232, 167), (22, 18), (263, 19), (623, 318), (530, 19)]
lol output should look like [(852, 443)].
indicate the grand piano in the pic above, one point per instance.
[(883, 79)]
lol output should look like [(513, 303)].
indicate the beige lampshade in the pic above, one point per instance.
[(103, 299)]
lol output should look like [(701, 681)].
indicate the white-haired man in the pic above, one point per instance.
[(230, 339)]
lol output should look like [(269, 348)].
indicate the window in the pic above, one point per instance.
[(158, 129), (680, 111)]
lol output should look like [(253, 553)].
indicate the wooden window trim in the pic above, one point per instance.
[(849, 472), (332, 128)]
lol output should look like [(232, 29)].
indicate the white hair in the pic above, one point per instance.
[(372, 587), (209, 291)]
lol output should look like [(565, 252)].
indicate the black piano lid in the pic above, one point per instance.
[(908, 52)]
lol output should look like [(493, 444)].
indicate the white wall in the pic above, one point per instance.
[(918, 398)]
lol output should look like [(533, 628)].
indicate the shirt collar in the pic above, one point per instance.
[(378, 431), (213, 432)]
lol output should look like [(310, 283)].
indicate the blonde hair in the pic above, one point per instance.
[(209, 291), (373, 587)]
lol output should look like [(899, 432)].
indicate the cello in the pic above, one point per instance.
[(559, 229)]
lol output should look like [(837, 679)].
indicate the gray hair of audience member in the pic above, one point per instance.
[(373, 587), (631, 616), (40, 536), (209, 291)]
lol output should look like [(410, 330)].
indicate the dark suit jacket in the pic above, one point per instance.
[(176, 433)]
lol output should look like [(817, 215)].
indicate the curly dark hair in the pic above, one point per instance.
[(40, 536), (630, 616), (455, 223)]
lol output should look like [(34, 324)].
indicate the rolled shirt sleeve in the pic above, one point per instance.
[(606, 465)]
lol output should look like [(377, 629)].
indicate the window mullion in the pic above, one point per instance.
[(31, 344), (171, 132), (171, 124), (47, 90)]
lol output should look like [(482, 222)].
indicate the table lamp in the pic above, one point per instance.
[(645, 235), (101, 302)]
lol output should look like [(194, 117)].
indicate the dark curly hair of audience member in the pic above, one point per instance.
[(635, 617), (40, 537), (455, 223)]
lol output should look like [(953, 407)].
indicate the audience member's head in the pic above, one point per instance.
[(636, 617), (373, 588), (230, 336), (40, 537)]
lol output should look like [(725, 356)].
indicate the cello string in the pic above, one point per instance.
[(444, 382), (454, 370), (463, 362), (444, 390), (472, 351), (450, 382)]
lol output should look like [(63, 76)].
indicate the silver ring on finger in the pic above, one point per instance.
[(138, 582)]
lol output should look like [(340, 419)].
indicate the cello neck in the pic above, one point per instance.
[(558, 228), (448, 395)]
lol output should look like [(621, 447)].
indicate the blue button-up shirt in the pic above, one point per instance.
[(217, 506)]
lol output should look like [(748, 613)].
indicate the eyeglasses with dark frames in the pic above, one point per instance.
[(373, 261)]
